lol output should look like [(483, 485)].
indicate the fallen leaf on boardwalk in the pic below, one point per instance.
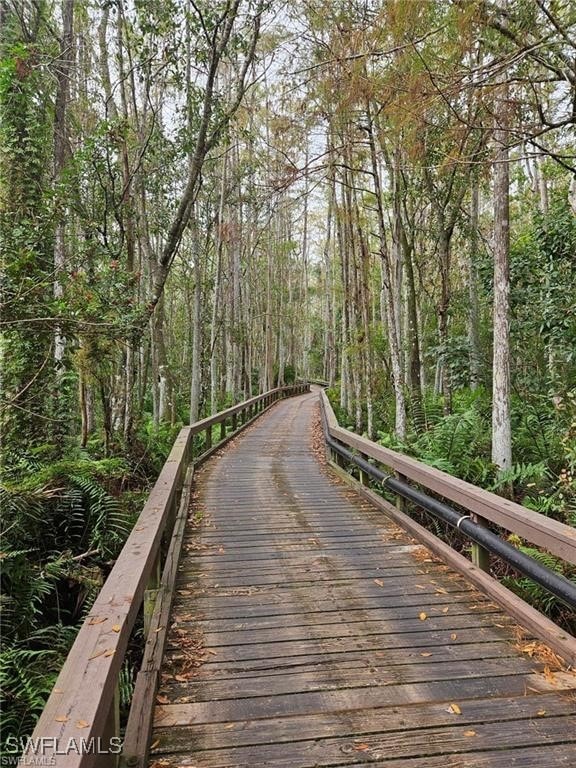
[(422, 616), (82, 724), (214, 653), (61, 719), (530, 648), (420, 586), (153, 746), (469, 733), (542, 653), (230, 725), (454, 709), (445, 610), (453, 636), (441, 591), (162, 699), (181, 678), (184, 592), (96, 620), (95, 655), (110, 652), (548, 674), (361, 747), (379, 582), (541, 712), (116, 628), (57, 690), (426, 654)]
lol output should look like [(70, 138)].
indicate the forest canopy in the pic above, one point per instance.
[(201, 200)]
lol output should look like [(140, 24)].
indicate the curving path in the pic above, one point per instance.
[(308, 630)]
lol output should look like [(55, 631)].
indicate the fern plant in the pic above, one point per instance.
[(26, 678), (539, 597), (62, 524)]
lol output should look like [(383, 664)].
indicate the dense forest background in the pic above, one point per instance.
[(201, 200)]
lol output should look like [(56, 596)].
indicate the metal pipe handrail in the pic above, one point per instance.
[(553, 582)]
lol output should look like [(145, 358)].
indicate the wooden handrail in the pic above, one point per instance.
[(217, 418), (79, 726), (553, 536)]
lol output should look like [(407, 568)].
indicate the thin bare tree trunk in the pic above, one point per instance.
[(388, 288), (196, 377), (61, 153), (473, 308), (501, 428)]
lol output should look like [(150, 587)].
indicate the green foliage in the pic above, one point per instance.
[(538, 596), (333, 394), (152, 445), (25, 233), (519, 476), (62, 525), (458, 443), (26, 678), (543, 270)]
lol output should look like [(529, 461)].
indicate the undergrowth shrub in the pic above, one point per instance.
[(64, 523)]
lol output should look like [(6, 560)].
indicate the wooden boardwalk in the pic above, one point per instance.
[(307, 630)]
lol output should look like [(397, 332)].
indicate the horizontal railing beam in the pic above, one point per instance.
[(555, 583), (209, 421), (555, 537), (79, 705)]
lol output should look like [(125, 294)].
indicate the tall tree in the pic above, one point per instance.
[(501, 427)]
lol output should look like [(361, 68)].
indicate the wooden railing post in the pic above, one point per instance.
[(364, 477), (208, 441), (400, 500), (150, 594), (222, 429), (111, 735), (480, 556), (234, 422)]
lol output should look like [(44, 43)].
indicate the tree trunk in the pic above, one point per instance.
[(61, 154), (473, 303), (388, 282), (501, 428), (413, 344), (445, 383), (196, 377)]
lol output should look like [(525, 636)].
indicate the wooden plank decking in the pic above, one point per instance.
[(307, 630)]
